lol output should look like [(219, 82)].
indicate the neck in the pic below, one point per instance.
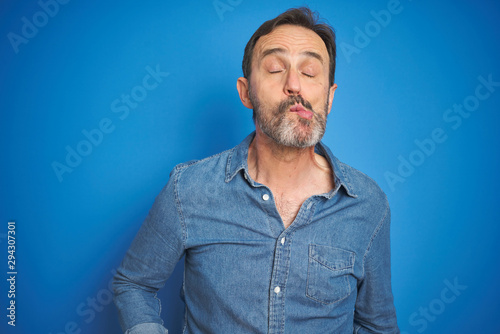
[(280, 166)]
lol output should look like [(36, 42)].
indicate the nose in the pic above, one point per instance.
[(292, 85)]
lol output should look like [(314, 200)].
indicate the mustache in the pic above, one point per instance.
[(292, 100)]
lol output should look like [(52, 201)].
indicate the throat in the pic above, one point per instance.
[(291, 178)]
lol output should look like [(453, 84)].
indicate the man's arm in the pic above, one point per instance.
[(374, 311), (148, 263)]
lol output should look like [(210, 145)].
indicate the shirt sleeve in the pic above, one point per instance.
[(374, 310), (147, 328), (147, 265)]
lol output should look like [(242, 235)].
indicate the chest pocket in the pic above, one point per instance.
[(328, 274)]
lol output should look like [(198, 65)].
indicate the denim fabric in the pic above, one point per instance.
[(328, 272), (150, 328)]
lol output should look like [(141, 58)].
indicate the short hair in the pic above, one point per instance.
[(302, 17)]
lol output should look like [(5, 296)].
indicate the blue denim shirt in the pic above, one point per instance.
[(328, 272)]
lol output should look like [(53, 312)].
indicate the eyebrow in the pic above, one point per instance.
[(281, 50)]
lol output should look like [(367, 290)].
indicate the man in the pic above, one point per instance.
[(278, 235)]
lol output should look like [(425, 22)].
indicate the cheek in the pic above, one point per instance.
[(320, 103), (315, 93), (269, 92)]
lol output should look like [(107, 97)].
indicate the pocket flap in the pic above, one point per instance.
[(331, 257)]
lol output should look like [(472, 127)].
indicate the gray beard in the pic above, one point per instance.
[(287, 132)]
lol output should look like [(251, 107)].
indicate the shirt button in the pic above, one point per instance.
[(277, 289), (265, 197), (283, 240)]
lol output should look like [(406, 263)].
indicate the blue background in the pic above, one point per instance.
[(394, 89)]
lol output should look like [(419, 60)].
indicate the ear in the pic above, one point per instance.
[(330, 98), (243, 90)]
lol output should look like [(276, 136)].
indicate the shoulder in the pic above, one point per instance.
[(365, 193), (370, 202), (208, 168), (357, 184), (361, 184)]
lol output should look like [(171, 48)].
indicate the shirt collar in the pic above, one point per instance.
[(238, 160)]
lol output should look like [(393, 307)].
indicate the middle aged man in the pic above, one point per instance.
[(278, 235)]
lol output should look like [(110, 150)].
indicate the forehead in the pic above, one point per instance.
[(293, 39)]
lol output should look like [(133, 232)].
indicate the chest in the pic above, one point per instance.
[(288, 202), (288, 207)]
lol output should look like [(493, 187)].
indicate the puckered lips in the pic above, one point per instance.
[(301, 111)]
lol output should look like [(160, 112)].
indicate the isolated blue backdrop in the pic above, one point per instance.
[(73, 70)]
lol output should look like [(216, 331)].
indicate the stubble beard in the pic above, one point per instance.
[(295, 131)]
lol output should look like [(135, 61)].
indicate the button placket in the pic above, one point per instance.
[(279, 278)]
